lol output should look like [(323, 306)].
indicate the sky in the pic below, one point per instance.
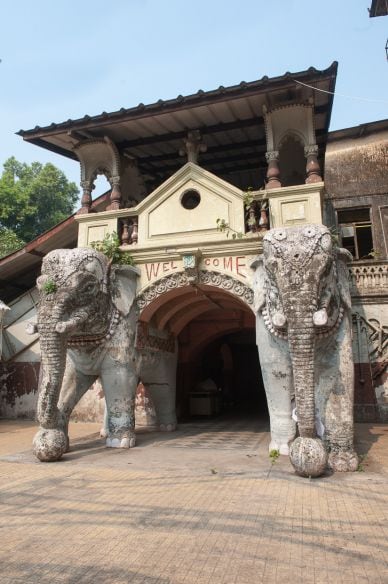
[(66, 58)]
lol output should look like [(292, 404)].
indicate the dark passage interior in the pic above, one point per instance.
[(233, 363), (226, 381)]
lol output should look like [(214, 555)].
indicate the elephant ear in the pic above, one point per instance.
[(343, 258), (258, 283), (123, 287)]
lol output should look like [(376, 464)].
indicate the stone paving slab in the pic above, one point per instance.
[(178, 514)]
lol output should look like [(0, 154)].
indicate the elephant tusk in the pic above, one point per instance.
[(67, 326), (320, 317)]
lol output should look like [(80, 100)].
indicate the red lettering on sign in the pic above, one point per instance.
[(216, 262), (174, 266), (228, 264), (165, 266), (240, 265), (152, 270), (207, 262)]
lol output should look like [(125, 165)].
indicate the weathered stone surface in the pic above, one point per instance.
[(308, 457), (304, 338), (49, 445), (87, 323)]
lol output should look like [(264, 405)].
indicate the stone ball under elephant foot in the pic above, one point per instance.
[(49, 444), (343, 461), (308, 457)]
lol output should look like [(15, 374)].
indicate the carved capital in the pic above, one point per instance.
[(86, 199), (272, 155), (273, 172), (311, 150), (115, 180)]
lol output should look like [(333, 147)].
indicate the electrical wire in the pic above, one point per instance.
[(341, 94)]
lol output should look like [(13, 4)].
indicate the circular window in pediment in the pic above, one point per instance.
[(190, 199)]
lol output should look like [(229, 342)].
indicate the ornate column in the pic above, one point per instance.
[(273, 172), (115, 194), (86, 200), (98, 156), (313, 171), (192, 146)]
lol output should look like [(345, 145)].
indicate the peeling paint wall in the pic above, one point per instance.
[(357, 167), (18, 389)]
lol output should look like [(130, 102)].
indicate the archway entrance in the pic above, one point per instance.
[(218, 371)]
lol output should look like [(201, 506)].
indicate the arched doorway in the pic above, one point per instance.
[(217, 354)]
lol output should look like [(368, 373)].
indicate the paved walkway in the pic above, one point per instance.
[(202, 505)]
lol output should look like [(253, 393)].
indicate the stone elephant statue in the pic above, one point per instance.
[(302, 304), (87, 325)]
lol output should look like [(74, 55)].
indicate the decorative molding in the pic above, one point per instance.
[(190, 265), (98, 156), (208, 278)]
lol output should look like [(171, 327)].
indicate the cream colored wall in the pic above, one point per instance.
[(290, 206), (162, 219)]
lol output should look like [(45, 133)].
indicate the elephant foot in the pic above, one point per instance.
[(343, 461), (308, 456), (282, 447), (50, 445), (167, 427), (126, 442)]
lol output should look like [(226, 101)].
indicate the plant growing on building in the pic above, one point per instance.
[(49, 287), (224, 227), (249, 200), (274, 455), (110, 246)]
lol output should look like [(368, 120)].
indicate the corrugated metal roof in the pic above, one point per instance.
[(230, 120)]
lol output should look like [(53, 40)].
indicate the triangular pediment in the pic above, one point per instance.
[(187, 206)]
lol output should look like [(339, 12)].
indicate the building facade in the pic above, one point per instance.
[(195, 184)]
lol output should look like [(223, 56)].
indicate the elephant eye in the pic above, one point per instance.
[(89, 288)]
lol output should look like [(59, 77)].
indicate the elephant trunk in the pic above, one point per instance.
[(307, 454), (53, 351), (301, 338)]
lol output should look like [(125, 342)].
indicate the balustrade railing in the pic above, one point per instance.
[(256, 217), (369, 278), (128, 230)]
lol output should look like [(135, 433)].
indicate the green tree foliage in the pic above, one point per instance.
[(9, 241), (34, 197)]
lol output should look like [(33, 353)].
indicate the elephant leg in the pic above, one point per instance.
[(159, 376), (278, 383), (74, 385), (119, 382), (334, 397)]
